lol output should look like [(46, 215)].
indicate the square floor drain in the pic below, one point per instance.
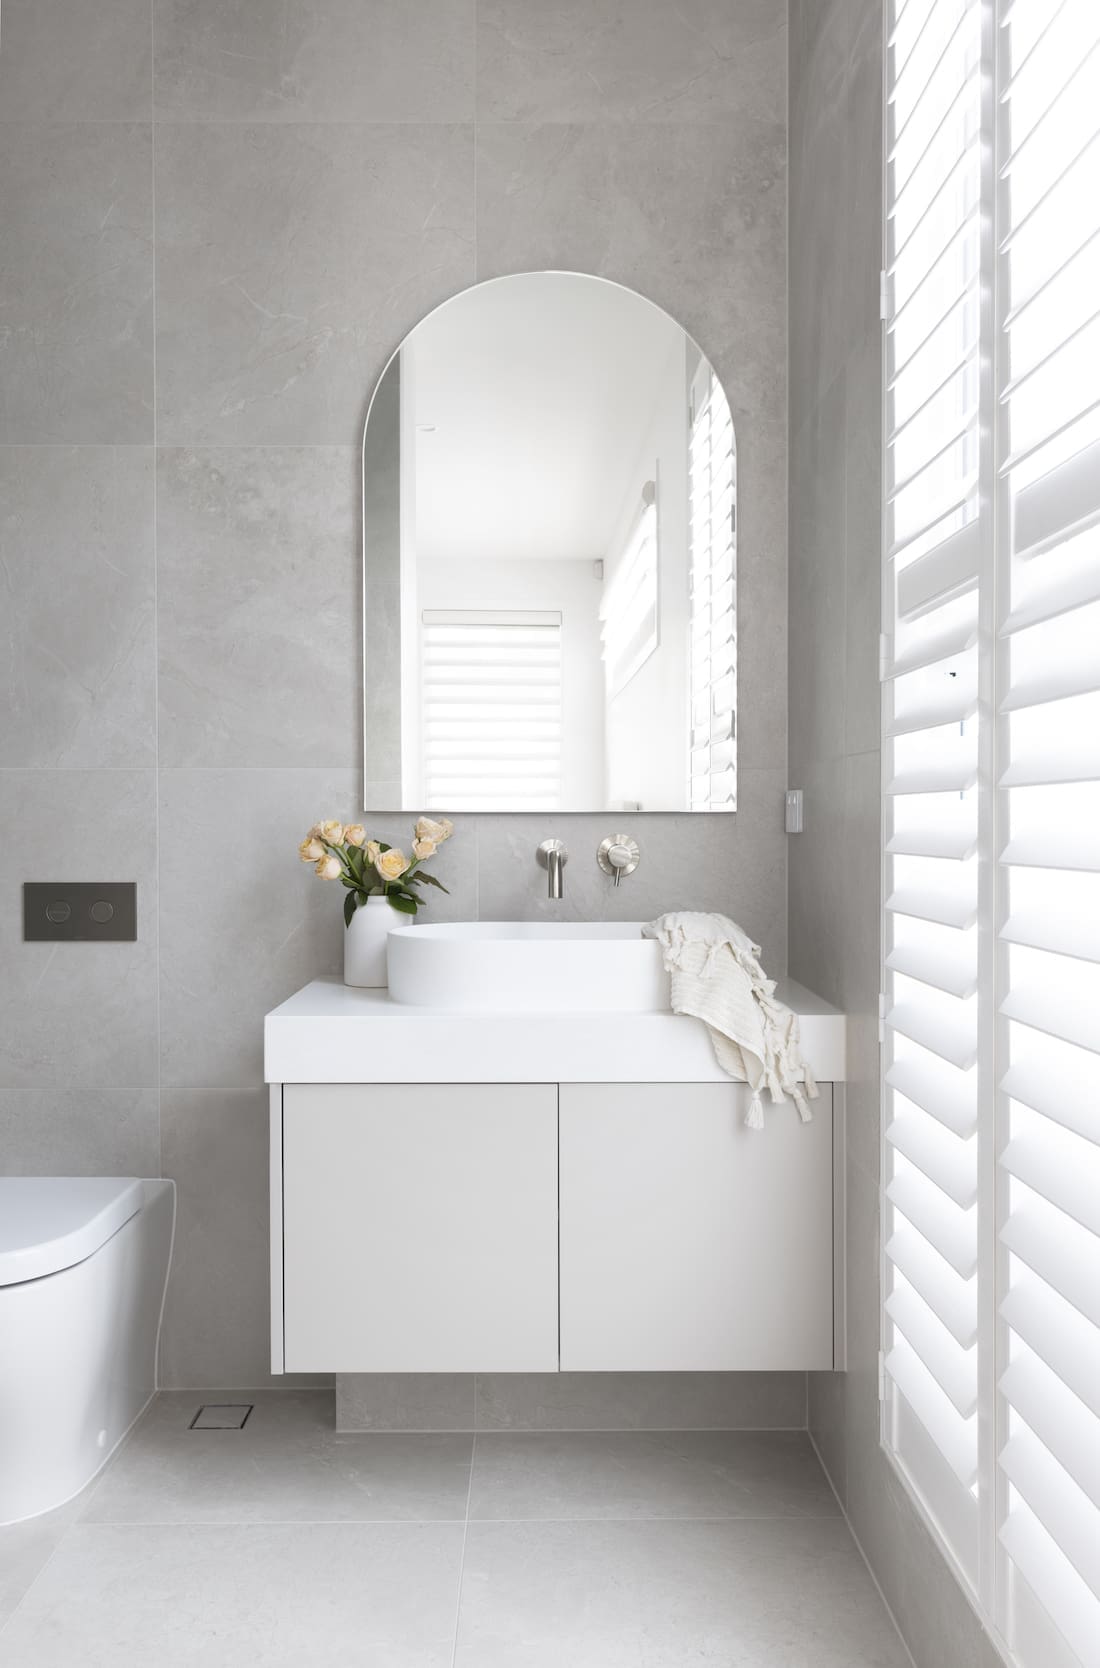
[(221, 1416)]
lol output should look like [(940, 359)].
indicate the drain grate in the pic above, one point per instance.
[(221, 1416)]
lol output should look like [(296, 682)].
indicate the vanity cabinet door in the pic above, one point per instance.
[(689, 1242), (420, 1227)]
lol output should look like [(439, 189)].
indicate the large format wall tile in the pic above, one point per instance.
[(725, 863), (77, 625), (761, 594), (244, 923), (75, 63), (609, 60), (328, 61), (819, 236), (291, 261), (217, 1328), (76, 282), (817, 587), (79, 1132), (78, 1015), (258, 587), (640, 1401), (663, 209), (570, 1401), (863, 543)]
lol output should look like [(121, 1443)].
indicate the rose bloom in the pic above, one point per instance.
[(428, 829), (355, 834), (329, 868), (373, 851), (391, 865), (311, 849), (423, 848), (333, 832)]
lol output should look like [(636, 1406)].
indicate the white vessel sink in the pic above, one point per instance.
[(528, 967)]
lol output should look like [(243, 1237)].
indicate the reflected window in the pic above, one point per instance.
[(491, 702), (629, 627)]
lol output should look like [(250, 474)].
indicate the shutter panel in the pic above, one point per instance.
[(992, 803), (1048, 578), (931, 715), (712, 486), (491, 705)]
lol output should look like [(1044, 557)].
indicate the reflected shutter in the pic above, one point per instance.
[(712, 485)]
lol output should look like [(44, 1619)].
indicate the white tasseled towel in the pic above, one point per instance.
[(716, 977)]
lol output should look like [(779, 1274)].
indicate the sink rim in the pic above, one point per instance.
[(523, 932)]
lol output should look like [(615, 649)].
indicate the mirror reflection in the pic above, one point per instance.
[(549, 479)]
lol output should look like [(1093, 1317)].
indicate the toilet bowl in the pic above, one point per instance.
[(83, 1270)]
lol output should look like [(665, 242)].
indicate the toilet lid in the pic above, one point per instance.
[(48, 1223)]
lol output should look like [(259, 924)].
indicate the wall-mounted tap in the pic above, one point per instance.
[(619, 855), (553, 857)]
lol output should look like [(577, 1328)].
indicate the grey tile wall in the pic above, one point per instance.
[(570, 1401), (218, 221), (835, 402)]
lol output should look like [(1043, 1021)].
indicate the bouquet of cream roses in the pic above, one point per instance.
[(372, 869)]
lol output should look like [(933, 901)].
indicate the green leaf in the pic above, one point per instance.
[(382, 846), (432, 881), (350, 905), (402, 903)]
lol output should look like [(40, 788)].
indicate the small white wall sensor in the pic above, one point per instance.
[(793, 822)]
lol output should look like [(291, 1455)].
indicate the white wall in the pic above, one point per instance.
[(572, 587), (647, 721)]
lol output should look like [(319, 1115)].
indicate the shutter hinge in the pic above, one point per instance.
[(883, 296), (881, 1376), (882, 1016), (885, 655)]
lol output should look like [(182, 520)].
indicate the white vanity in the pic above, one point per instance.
[(467, 1189)]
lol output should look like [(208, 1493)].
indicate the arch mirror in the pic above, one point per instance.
[(550, 620)]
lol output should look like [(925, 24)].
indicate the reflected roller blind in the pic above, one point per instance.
[(491, 704), (992, 806)]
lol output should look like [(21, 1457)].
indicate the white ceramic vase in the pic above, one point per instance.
[(365, 944)]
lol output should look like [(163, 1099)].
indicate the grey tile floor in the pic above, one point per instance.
[(287, 1543)]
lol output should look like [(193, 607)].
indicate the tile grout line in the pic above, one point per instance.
[(787, 1518), (462, 1555)]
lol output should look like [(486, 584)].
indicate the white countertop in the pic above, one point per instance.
[(329, 1032)]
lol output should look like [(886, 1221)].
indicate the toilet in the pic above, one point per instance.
[(83, 1270)]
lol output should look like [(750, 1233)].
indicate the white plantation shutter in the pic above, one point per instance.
[(491, 706), (712, 485), (1048, 765), (992, 818), (932, 756)]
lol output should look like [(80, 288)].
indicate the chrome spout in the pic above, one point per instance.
[(553, 857)]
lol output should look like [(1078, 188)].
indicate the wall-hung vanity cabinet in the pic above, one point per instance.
[(466, 1225)]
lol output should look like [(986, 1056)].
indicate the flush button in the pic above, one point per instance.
[(68, 911)]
